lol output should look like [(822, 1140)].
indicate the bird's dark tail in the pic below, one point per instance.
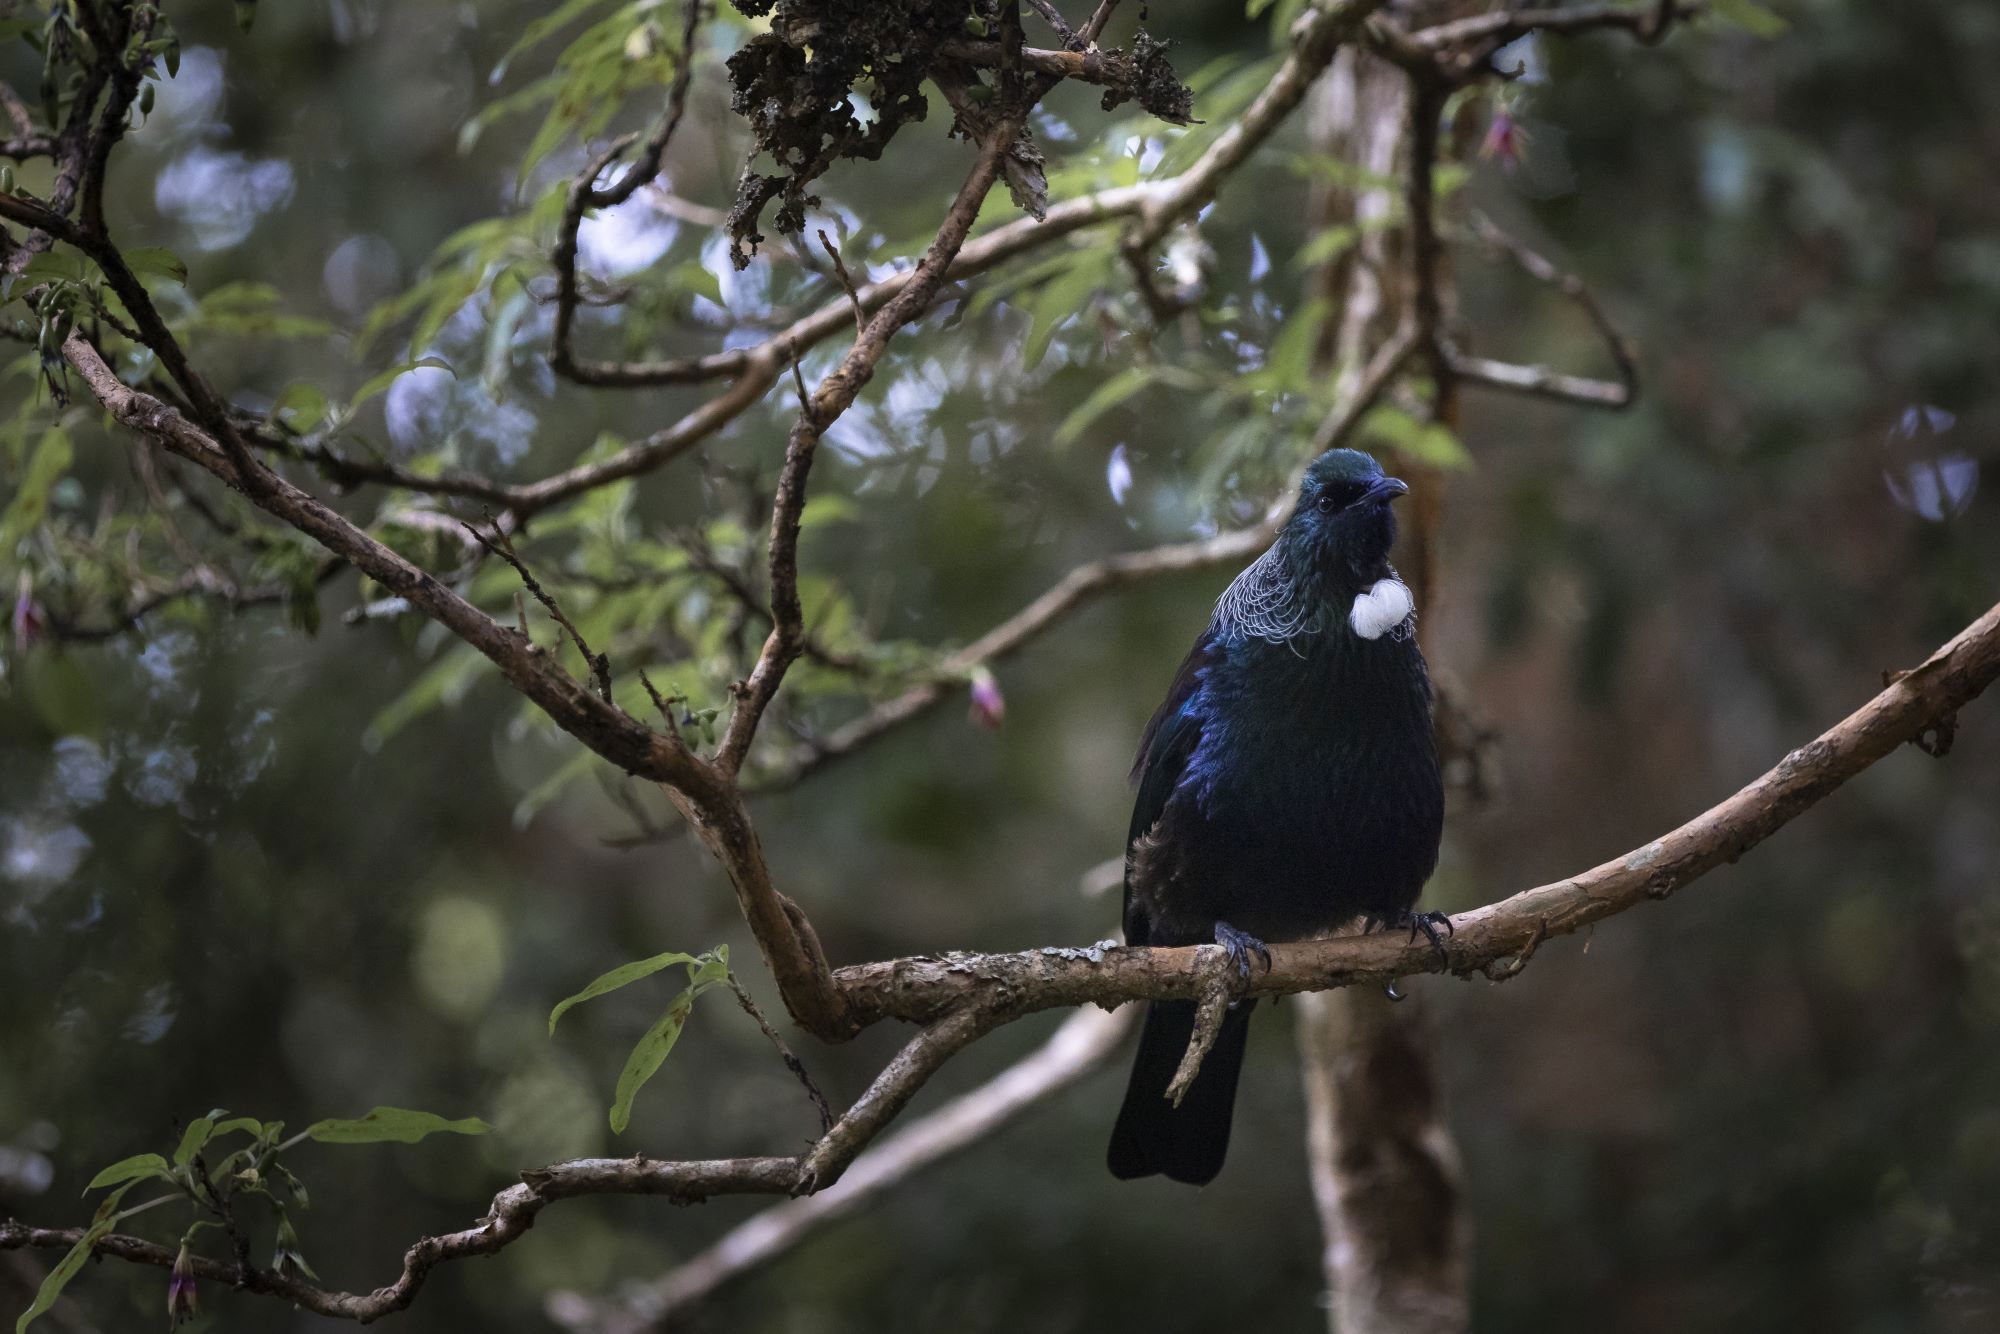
[(1186, 1143)]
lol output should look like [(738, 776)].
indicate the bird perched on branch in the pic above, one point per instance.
[(1289, 783)]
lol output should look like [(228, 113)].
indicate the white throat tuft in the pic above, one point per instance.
[(1383, 608)]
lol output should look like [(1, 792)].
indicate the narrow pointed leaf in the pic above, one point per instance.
[(399, 1125), (136, 1168), (71, 1264), (652, 1049), (616, 978), (196, 1135)]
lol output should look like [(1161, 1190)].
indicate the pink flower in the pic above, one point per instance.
[(989, 706), (183, 1301), (1505, 138), (30, 622)]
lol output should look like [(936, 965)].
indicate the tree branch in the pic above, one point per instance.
[(603, 727), (1486, 939), (1537, 380), (584, 195), (833, 396), (1081, 1044), (962, 996)]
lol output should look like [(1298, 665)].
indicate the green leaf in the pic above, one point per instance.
[(301, 406), (392, 1124), (156, 261), (828, 509), (623, 975), (62, 694), (537, 31), (1288, 365), (71, 1264), (1427, 443), (1102, 399), (128, 1170), (443, 682), (453, 291), (696, 280), (1748, 15), (500, 331), (248, 1125), (1062, 298), (56, 264), (50, 461), (192, 1140), (658, 1041), (546, 791), (254, 309), (1327, 244)]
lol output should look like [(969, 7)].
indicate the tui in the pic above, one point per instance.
[(1288, 783)]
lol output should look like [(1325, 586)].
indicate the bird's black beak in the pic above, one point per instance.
[(1385, 488)]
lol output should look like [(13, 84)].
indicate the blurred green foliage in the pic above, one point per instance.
[(242, 863)]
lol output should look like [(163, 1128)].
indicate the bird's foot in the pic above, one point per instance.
[(1427, 922), (1240, 946)]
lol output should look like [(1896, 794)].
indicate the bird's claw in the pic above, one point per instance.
[(1426, 922), (1240, 945)]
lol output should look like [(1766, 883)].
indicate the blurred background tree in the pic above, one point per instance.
[(306, 855)]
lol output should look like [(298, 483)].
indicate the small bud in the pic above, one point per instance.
[(989, 706), (30, 622), (1505, 139), (290, 1262), (183, 1301)]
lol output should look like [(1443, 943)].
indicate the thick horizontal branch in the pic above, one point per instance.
[(1496, 939)]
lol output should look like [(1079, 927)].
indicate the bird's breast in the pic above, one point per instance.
[(1314, 794)]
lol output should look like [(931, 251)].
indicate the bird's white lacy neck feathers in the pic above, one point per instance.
[(1264, 602)]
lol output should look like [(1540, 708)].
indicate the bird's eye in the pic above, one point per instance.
[(1338, 495)]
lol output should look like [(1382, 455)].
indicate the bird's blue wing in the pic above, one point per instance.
[(1170, 738)]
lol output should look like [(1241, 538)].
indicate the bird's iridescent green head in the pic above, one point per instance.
[(1343, 525)]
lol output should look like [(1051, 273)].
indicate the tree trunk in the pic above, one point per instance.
[(1385, 1172)]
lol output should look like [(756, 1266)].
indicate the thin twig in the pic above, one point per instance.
[(785, 1053), (585, 195), (1537, 380), (501, 545), (846, 284), (1053, 17)]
